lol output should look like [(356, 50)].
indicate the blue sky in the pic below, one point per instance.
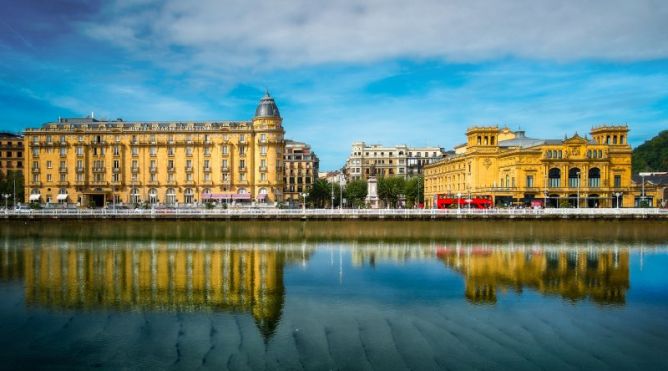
[(388, 71)]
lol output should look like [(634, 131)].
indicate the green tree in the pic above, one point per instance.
[(319, 193), (414, 191), (390, 188), (355, 193), (7, 187), (652, 155)]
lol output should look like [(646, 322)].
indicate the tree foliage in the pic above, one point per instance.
[(7, 187), (652, 155), (390, 188), (355, 193)]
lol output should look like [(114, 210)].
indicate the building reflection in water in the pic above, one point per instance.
[(155, 276), (248, 277), (574, 274)]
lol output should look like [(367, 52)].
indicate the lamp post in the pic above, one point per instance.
[(617, 194), (578, 200), (459, 196), (340, 191), (6, 196), (642, 198), (304, 195), (332, 206)]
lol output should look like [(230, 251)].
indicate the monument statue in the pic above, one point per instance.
[(372, 189)]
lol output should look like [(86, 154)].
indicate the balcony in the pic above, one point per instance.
[(98, 183), (153, 182), (80, 169), (207, 169), (226, 182), (225, 169), (116, 170), (63, 169), (36, 184), (171, 182), (171, 169), (189, 169), (99, 169), (242, 169), (63, 183), (263, 168), (153, 169), (189, 182), (35, 170), (134, 169)]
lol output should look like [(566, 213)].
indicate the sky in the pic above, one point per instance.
[(381, 71)]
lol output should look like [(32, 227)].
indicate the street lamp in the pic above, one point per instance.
[(459, 197), (6, 196), (340, 191), (618, 194), (332, 206), (642, 198), (578, 200), (304, 195)]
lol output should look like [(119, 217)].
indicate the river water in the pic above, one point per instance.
[(334, 295)]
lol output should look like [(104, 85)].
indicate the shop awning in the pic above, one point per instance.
[(261, 196), (243, 196), (217, 196), (34, 197), (62, 197)]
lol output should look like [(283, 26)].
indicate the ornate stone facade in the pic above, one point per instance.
[(513, 169), (89, 161)]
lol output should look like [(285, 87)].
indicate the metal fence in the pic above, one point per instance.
[(241, 212)]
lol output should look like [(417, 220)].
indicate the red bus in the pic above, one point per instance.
[(444, 201)]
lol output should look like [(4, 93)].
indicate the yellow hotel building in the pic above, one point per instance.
[(512, 169), (96, 162)]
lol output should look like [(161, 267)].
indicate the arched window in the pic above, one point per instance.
[(242, 191), (263, 191), (134, 196), (594, 177), (574, 175), (188, 195), (554, 178), (171, 196), (153, 196)]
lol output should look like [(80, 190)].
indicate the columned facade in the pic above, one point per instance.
[(93, 162), (512, 169)]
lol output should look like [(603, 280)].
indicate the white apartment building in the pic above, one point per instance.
[(400, 160)]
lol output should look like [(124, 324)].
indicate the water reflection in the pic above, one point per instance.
[(602, 275), (155, 277)]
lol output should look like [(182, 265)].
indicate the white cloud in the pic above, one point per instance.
[(263, 35)]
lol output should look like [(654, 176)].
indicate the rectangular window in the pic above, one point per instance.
[(117, 164), (80, 177), (242, 150), (224, 166), (263, 177), (48, 164), (117, 150), (63, 151), (170, 151), (207, 151), (35, 152), (189, 151), (263, 150), (242, 164), (263, 164), (153, 151), (63, 177), (48, 177), (529, 181), (80, 151), (135, 151), (134, 164), (206, 164), (225, 149), (242, 177), (618, 181)]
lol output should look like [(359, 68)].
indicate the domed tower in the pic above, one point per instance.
[(268, 154)]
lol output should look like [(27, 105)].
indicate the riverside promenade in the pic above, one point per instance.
[(337, 214)]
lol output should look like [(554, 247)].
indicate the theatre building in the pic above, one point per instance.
[(92, 162), (512, 169)]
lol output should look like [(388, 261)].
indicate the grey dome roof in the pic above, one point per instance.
[(267, 107)]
